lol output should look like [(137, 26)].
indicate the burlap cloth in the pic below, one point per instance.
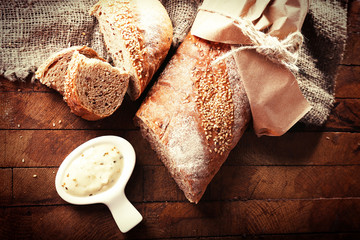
[(31, 30)]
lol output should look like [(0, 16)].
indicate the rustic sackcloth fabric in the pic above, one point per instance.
[(31, 30)]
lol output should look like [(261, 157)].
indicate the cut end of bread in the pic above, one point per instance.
[(93, 88), (52, 72), (192, 190)]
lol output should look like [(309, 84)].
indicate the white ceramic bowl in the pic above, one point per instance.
[(125, 214)]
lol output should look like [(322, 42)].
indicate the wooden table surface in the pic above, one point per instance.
[(303, 185)]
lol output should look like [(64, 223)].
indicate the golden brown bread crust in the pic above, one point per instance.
[(195, 114), (138, 35)]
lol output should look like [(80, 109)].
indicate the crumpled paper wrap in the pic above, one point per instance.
[(265, 38)]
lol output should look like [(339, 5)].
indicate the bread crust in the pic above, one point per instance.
[(173, 117), (143, 29)]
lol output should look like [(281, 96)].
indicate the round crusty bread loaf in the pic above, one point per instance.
[(93, 89), (195, 114), (138, 36), (52, 72)]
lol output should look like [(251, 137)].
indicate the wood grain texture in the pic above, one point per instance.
[(180, 220), (353, 16), (153, 183), (5, 186), (345, 115), (36, 110), (352, 49), (303, 185), (348, 84), (297, 148), (34, 185), (48, 148), (299, 236)]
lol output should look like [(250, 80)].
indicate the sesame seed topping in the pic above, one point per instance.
[(214, 99), (124, 20)]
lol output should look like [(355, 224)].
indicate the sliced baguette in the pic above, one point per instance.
[(93, 89), (52, 72), (138, 36)]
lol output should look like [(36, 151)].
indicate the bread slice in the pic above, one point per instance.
[(52, 72), (93, 89), (138, 36)]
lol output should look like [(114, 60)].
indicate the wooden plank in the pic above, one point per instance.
[(179, 220), (345, 115), (297, 148), (48, 148), (274, 182), (44, 110), (347, 82), (33, 148), (255, 182), (5, 186), (351, 56), (298, 236), (331, 215), (159, 186), (354, 16), (352, 49), (2, 146), (18, 86), (61, 222), (35, 186)]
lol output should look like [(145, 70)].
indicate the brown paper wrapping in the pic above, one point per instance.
[(275, 98)]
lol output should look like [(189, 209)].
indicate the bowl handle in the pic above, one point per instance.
[(125, 214)]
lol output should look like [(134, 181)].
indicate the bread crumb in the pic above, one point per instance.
[(53, 124), (22, 160), (18, 125), (327, 138), (19, 90), (34, 176), (60, 121), (21, 137)]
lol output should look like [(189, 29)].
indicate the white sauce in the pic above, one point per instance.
[(93, 171)]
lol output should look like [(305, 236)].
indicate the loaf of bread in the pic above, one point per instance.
[(195, 114), (52, 71), (138, 36)]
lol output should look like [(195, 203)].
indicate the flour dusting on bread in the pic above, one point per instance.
[(138, 36)]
